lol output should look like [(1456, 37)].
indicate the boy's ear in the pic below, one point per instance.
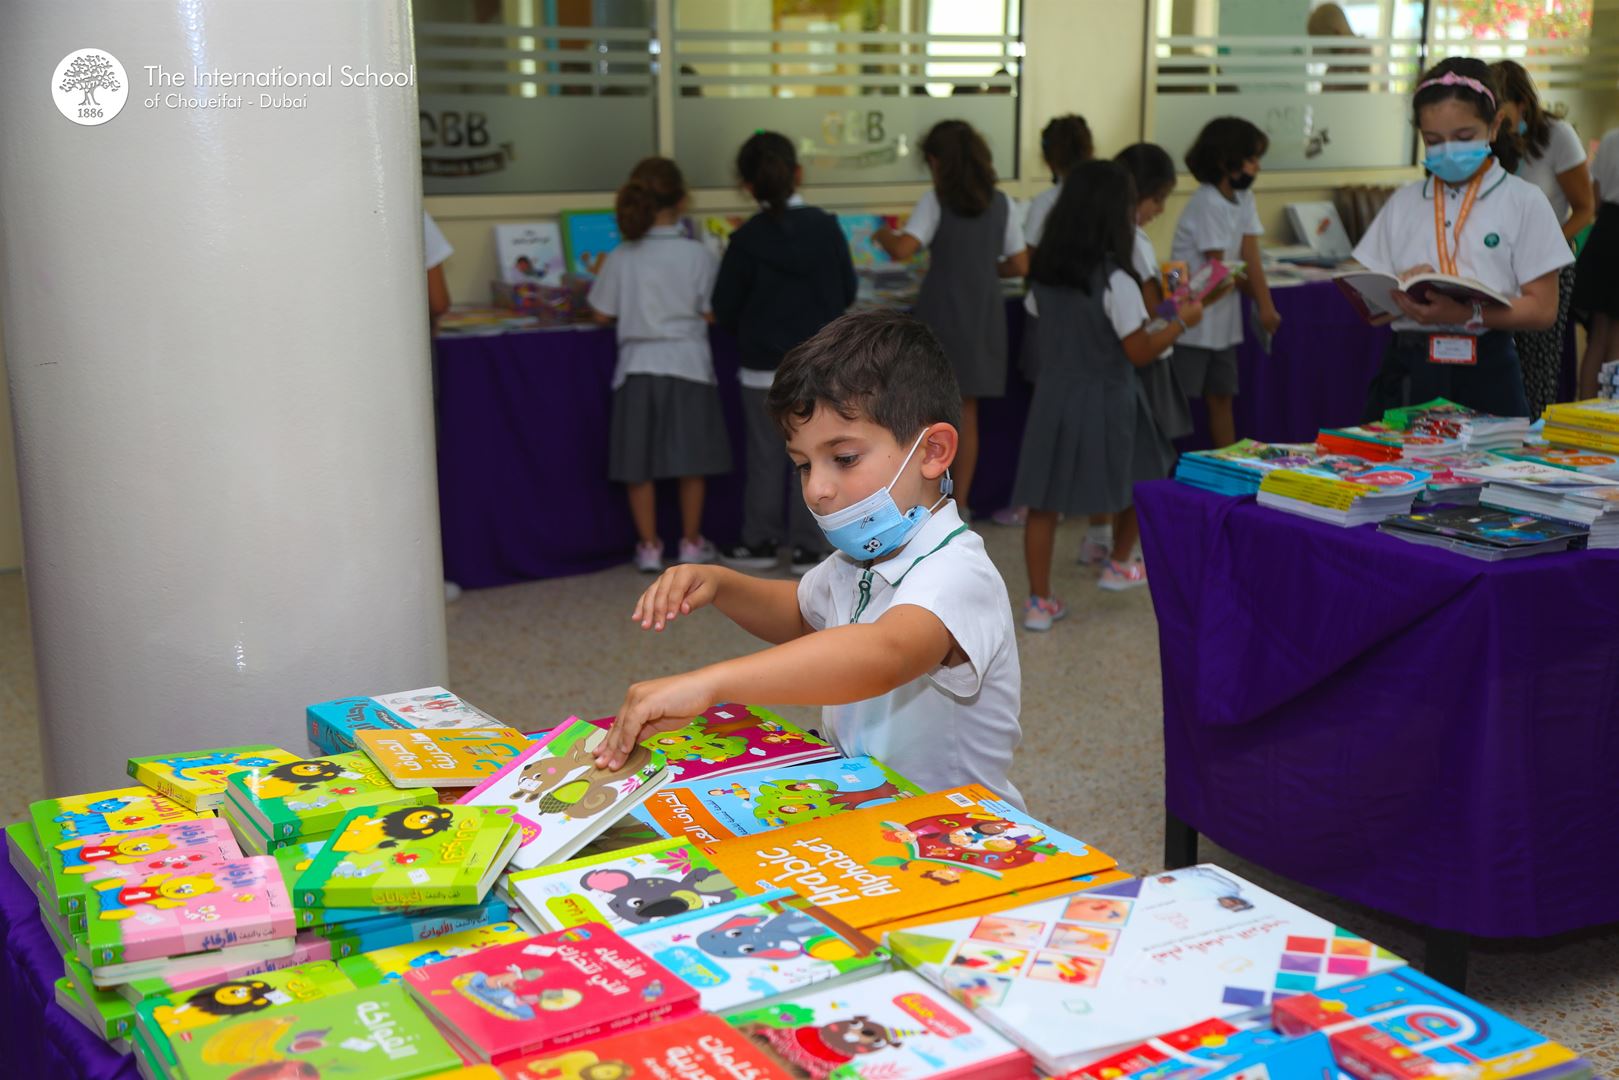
[(939, 448)]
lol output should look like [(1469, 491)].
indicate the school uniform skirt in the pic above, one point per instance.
[(1596, 282), (1493, 385), (1540, 352), (1085, 447), (665, 427)]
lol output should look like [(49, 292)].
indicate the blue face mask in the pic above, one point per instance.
[(1523, 127), (874, 526), (1454, 162)]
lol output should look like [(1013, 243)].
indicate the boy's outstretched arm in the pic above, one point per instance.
[(764, 607), (828, 667)]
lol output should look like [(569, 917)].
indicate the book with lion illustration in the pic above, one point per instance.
[(622, 889), (927, 853), (196, 780), (548, 992), (309, 797), (375, 1033), (73, 865), (558, 798), (412, 857), (889, 1027), (763, 799), (731, 738)]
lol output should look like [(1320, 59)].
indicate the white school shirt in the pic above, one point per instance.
[(1123, 304), (1212, 222), (1034, 227), (1605, 167), (1563, 151), (434, 246), (952, 726), (659, 288), (1144, 261), (924, 223), (1511, 235)]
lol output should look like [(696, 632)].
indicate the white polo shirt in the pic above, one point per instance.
[(1511, 235), (1144, 261), (434, 247), (924, 223), (658, 287), (952, 726), (1605, 167), (1212, 222), (1564, 151)]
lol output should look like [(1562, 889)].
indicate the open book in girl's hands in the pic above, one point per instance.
[(1371, 291), (1198, 286)]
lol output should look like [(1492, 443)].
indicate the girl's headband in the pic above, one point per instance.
[(1450, 78)]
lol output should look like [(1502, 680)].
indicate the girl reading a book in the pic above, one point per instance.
[(1469, 218), (1090, 433), (666, 421)]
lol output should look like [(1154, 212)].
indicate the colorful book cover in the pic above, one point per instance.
[(333, 724), (310, 797), (622, 889), (205, 969), (434, 708), (926, 853), (166, 1019), (377, 1033), (889, 1026), (74, 817), (763, 799), (587, 238), (703, 1047), (559, 798), (1591, 462), (1079, 975), (72, 865), (530, 252), (549, 992), (457, 758), (104, 1012), (361, 929), (1193, 1052), (211, 904), (414, 857), (858, 230), (197, 779), (754, 950), (731, 738), (390, 964), (1001, 903)]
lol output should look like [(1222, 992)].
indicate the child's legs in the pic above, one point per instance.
[(967, 451), (644, 511), (1219, 388), (1039, 537), (1222, 425), (691, 508), (1098, 521), (762, 494), (1125, 534)]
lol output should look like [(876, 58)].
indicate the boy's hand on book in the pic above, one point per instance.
[(654, 706), (680, 590)]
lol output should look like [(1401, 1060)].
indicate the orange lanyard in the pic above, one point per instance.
[(1447, 261)]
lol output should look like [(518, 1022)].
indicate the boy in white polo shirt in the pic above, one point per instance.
[(904, 634)]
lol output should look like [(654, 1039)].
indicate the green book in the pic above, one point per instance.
[(313, 795), (22, 846), (389, 965), (63, 824), (378, 1033), (181, 1016), (414, 857), (67, 996), (197, 778), (114, 1015)]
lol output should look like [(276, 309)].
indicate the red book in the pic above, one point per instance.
[(705, 1046), (549, 992)]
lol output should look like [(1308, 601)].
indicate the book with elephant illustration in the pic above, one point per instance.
[(927, 853), (309, 797), (763, 799), (557, 796), (390, 964), (413, 857), (757, 949), (622, 889)]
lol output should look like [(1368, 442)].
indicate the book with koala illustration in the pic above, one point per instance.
[(194, 907), (927, 853), (763, 799), (309, 797), (704, 1048), (459, 758), (557, 796), (549, 992), (622, 889), (890, 1025), (731, 738), (752, 951), (412, 857), (1076, 977), (72, 818), (390, 964), (376, 1032), (72, 865), (197, 779)]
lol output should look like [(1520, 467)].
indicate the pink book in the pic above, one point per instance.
[(549, 992), (176, 977)]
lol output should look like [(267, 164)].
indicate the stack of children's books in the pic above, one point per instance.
[(1590, 462), (1591, 425), (333, 724), (1330, 499), (1382, 442), (466, 901), (1482, 533), (1473, 429), (1238, 469), (1560, 494)]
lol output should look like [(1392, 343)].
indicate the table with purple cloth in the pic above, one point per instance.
[(522, 440), (1405, 727)]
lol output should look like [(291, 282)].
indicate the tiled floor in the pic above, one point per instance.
[(1091, 761)]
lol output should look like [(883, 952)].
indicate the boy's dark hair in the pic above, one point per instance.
[(1065, 142), (1506, 143), (655, 184), (963, 171), (883, 366), (1092, 224), (1151, 167), (1222, 146), (767, 163)]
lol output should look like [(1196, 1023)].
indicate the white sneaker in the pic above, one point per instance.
[(649, 557), (700, 552), (1093, 551), (1040, 612)]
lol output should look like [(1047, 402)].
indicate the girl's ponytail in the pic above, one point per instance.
[(655, 185), (768, 164)]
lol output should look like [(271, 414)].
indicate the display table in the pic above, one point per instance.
[(1427, 734)]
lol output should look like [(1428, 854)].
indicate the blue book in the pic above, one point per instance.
[(332, 724), (377, 928)]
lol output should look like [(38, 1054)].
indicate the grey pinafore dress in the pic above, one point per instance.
[(961, 298)]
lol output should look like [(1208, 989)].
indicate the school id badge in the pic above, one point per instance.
[(1453, 349)]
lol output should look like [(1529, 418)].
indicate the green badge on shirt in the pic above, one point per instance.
[(1491, 240)]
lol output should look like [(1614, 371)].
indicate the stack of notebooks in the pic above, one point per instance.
[(1335, 501), (1446, 419), (1590, 462), (1381, 442), (1238, 469), (1559, 494), (333, 724), (1482, 533), (1449, 479), (1591, 425)]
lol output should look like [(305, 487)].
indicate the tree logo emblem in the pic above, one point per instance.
[(89, 86)]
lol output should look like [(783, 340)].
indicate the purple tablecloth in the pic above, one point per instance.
[(1405, 727), (39, 1039)]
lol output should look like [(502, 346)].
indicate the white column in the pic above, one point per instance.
[(216, 330)]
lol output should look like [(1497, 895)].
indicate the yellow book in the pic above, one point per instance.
[(1316, 490), (448, 758), (196, 780)]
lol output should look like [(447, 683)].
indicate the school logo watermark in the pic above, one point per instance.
[(89, 86)]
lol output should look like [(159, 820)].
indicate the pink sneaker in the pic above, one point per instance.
[(1117, 576), (649, 557), (1040, 612), (700, 552), (1092, 552), (1010, 515)]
